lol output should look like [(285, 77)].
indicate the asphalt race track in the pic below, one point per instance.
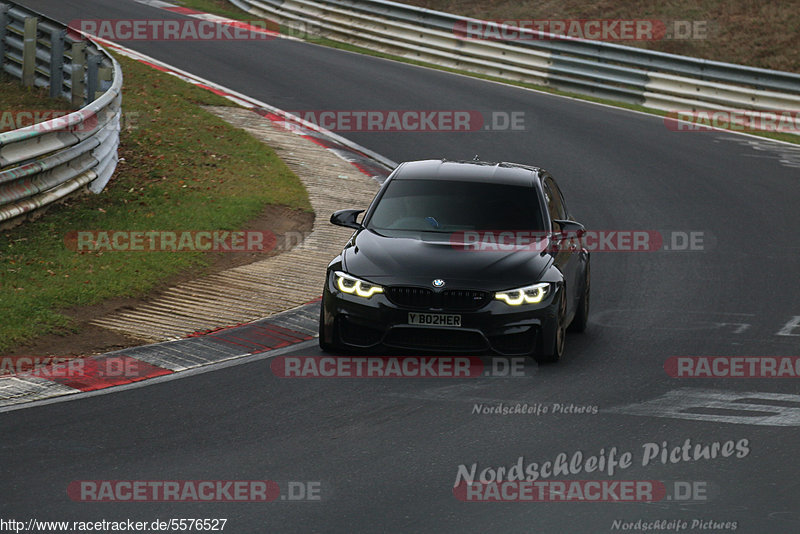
[(384, 453)]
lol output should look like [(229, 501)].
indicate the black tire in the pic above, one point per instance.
[(581, 319), (323, 345), (555, 351)]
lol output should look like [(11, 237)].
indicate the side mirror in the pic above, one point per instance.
[(563, 228), (347, 218)]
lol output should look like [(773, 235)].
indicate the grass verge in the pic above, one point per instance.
[(182, 169), (761, 34), (19, 105)]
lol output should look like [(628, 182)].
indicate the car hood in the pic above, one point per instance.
[(418, 261)]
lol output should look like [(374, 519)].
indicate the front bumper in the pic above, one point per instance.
[(358, 323)]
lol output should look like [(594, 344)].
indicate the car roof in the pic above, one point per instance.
[(471, 171)]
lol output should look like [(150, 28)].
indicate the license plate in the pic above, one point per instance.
[(434, 319)]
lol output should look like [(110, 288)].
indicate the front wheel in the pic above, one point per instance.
[(581, 319), (555, 351), (324, 345)]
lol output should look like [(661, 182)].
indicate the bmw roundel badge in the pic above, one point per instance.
[(438, 283)]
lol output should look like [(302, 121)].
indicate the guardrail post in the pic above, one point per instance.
[(3, 24), (57, 62), (29, 51), (92, 78), (106, 75), (78, 63)]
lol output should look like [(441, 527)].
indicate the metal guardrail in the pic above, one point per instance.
[(45, 162), (658, 80)]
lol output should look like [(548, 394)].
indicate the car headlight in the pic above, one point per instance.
[(524, 295), (355, 286)]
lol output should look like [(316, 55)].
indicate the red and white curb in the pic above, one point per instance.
[(81, 375)]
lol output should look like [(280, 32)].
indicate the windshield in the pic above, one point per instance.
[(444, 206)]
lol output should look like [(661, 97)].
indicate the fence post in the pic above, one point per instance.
[(3, 31), (57, 62), (92, 78), (106, 76), (29, 51), (78, 62)]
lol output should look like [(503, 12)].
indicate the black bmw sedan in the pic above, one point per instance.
[(459, 256)]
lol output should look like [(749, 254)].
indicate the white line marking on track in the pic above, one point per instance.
[(720, 406)]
